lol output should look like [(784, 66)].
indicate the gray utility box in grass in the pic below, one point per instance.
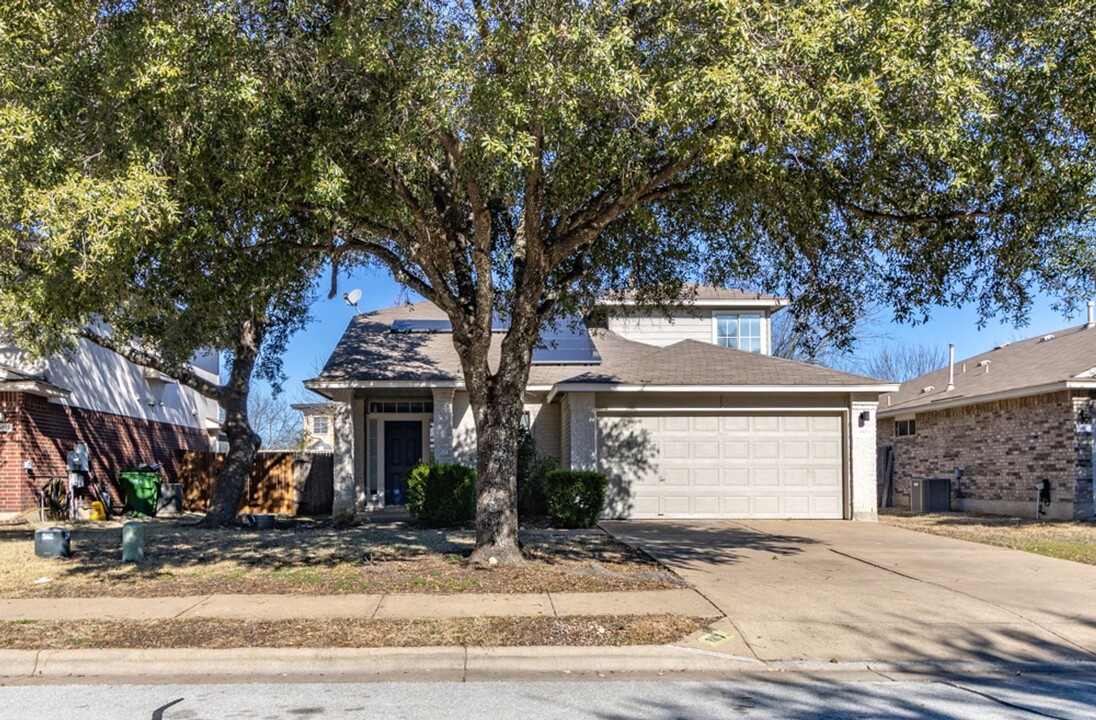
[(930, 495), (52, 542)]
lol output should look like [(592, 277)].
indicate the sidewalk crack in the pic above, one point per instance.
[(37, 661), (552, 604), (188, 609)]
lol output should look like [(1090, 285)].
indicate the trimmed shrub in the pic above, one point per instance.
[(532, 474), (575, 498), (441, 494)]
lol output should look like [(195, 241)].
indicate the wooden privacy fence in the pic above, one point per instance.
[(281, 482)]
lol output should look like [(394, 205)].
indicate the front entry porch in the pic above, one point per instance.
[(379, 438)]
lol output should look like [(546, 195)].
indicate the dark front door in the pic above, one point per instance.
[(402, 451)]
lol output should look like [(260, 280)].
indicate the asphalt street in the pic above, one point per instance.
[(1056, 696)]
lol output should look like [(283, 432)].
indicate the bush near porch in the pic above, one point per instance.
[(576, 498), (442, 494)]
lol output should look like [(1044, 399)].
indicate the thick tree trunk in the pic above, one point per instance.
[(497, 415), (243, 442)]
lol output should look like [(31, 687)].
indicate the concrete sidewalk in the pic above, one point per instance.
[(377, 606)]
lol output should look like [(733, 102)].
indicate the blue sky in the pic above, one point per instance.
[(310, 348)]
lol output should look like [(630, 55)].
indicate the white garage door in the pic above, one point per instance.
[(731, 466)]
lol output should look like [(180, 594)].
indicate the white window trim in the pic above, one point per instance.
[(762, 327)]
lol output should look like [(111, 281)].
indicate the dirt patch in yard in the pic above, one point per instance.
[(304, 557), (217, 634), (1074, 541)]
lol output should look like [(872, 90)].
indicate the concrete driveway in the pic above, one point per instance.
[(845, 591)]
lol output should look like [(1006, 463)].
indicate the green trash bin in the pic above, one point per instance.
[(142, 490)]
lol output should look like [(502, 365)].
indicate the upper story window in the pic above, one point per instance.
[(319, 424), (741, 331)]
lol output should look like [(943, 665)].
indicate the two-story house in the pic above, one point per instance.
[(688, 413), (126, 415), (317, 423)]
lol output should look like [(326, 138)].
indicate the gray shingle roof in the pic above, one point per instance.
[(691, 362), (369, 352), (1070, 356), (697, 292)]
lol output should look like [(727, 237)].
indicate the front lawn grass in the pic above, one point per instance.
[(1066, 540), (315, 557), (219, 634)]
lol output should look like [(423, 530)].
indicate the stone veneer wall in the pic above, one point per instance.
[(1003, 448), (44, 432)]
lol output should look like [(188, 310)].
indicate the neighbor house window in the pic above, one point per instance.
[(905, 427), (739, 331), (319, 425)]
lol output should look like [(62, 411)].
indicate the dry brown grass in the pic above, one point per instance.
[(304, 557), (209, 633), (1074, 541)]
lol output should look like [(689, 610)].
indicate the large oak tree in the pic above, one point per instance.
[(142, 232), (518, 158)]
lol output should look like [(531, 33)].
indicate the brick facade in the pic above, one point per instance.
[(1003, 448), (44, 432)]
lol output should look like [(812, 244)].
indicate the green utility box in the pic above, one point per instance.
[(142, 490)]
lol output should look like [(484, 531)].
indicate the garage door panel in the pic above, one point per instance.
[(676, 504), (796, 424), (798, 477), (736, 424), (765, 423), (706, 424), (796, 505), (675, 424), (738, 477), (826, 424), (678, 476), (796, 450), (762, 466), (825, 450), (765, 506), (675, 450), (765, 450), (645, 506), (706, 450), (766, 477), (706, 477)]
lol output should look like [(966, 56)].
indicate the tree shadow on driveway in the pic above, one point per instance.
[(722, 542)]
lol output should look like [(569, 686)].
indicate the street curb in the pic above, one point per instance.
[(453, 663), (181, 662)]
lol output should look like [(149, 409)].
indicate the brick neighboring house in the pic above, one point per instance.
[(126, 415), (318, 423), (1009, 418)]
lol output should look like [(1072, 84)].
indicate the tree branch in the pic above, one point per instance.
[(183, 373), (918, 218), (577, 235), (395, 265)]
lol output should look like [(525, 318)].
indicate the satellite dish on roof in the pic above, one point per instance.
[(352, 298)]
